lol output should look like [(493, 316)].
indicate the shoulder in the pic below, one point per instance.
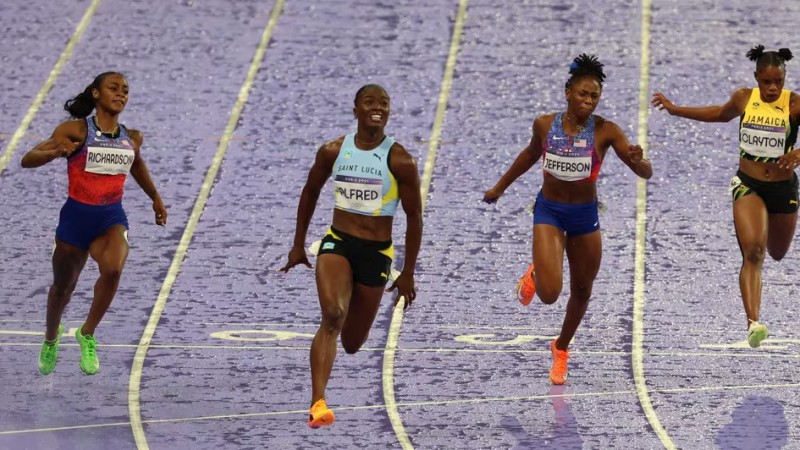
[(742, 94), (544, 120), (329, 151), (74, 129), (136, 136), (602, 124), (402, 163)]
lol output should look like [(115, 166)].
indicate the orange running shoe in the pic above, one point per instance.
[(320, 415), (526, 287), (558, 373)]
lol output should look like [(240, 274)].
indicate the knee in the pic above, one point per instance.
[(351, 347), (63, 291), (754, 254), (333, 318), (581, 291), (112, 271), (548, 291)]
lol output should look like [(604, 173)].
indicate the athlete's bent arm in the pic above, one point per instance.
[(64, 140), (525, 160), (631, 155), (141, 174), (405, 171), (320, 172)]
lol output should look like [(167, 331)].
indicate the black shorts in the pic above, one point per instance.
[(779, 196), (371, 261)]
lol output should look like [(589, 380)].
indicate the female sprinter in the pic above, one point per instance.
[(371, 173), (100, 152), (572, 145), (764, 188)]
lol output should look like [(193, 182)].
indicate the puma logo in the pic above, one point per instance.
[(792, 202), (377, 156), (779, 108)]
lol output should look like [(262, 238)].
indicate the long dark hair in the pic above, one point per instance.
[(83, 104)]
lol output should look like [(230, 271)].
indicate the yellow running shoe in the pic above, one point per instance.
[(558, 373), (756, 333), (320, 415), (526, 287)]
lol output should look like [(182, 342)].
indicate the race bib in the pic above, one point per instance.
[(358, 194), (568, 168), (109, 161), (762, 140)]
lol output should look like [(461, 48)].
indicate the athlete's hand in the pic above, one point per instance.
[(297, 255), (492, 195), (636, 153), (160, 210), (790, 160), (661, 102), (404, 284), (60, 148)]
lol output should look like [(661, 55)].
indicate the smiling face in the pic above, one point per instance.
[(112, 95), (583, 96), (770, 82), (372, 107)]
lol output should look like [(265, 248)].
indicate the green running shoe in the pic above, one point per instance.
[(48, 356), (756, 333), (89, 362)]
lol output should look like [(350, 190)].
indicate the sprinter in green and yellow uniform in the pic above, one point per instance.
[(765, 199)]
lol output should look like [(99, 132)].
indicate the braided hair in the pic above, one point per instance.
[(771, 58), (83, 104), (585, 65)]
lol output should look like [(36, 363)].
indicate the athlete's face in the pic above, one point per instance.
[(583, 96), (372, 107), (112, 94), (770, 82)]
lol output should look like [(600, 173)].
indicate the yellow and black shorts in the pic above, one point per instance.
[(370, 261), (779, 196)]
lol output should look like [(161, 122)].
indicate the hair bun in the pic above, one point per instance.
[(785, 53), (756, 52)]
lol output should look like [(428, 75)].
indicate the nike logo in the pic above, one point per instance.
[(779, 109), (595, 224), (383, 275), (377, 156)]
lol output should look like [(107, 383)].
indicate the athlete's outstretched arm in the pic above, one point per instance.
[(525, 160), (66, 138), (320, 172), (733, 108), (141, 174), (631, 155), (405, 172)]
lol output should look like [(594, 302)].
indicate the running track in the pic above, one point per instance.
[(224, 352)]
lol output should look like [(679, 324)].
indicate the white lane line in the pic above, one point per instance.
[(637, 353), (425, 184), (48, 84), (462, 401), (134, 384)]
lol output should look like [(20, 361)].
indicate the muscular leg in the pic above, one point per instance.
[(780, 234), (360, 316), (109, 250), (750, 219), (68, 262), (548, 259), (335, 287), (584, 253)]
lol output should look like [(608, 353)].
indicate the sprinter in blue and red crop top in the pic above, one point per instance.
[(571, 145), (371, 174), (100, 153), (764, 190)]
